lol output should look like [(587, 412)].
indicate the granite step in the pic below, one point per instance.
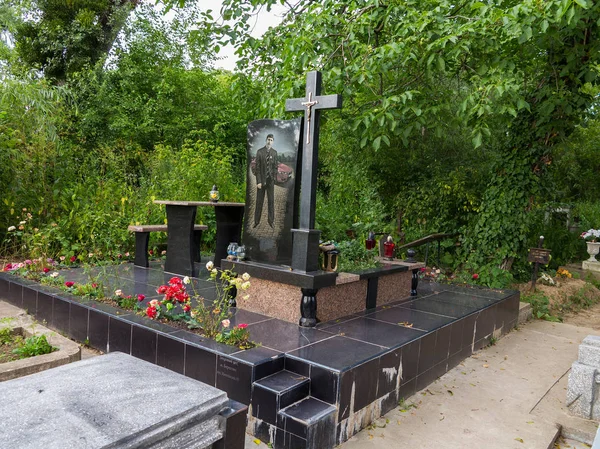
[(308, 424), (277, 391)]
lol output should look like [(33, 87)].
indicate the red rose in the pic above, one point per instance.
[(187, 308), (141, 297), (175, 281), (151, 252), (151, 312), (46, 269), (73, 258), (69, 284), (475, 276), (242, 326), (162, 290)]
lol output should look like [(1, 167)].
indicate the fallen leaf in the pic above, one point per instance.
[(256, 441), (486, 366), (529, 422), (520, 440), (450, 393)]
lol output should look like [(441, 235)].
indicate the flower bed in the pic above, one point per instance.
[(177, 307)]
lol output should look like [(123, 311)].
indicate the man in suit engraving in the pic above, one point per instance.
[(266, 171)]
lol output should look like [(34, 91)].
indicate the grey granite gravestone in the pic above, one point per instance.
[(583, 398), (271, 192), (112, 401)]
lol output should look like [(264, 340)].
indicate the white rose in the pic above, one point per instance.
[(55, 274), (214, 271), (22, 222), (118, 292), (11, 229), (246, 277), (210, 265), (186, 280), (246, 285)]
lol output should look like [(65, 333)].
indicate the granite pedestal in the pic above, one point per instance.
[(583, 391), (115, 401)]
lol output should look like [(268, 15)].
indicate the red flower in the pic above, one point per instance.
[(73, 258), (141, 297), (175, 281), (187, 308), (423, 269), (475, 276), (94, 285), (69, 284), (242, 326), (162, 290), (151, 252), (46, 269), (151, 312)]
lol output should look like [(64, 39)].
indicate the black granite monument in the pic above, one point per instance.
[(271, 210)]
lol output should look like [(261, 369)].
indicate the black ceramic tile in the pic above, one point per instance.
[(427, 353), (485, 323), (200, 364), (235, 426), (309, 411), (241, 316), (407, 390), (29, 300), (417, 320), (324, 384), (469, 330), (454, 360), (98, 330), (437, 307), (170, 353), (389, 366), (206, 343), (346, 386), (15, 294), (295, 394), (78, 322), (282, 381), (264, 404), (375, 332), (426, 378), (151, 324), (143, 344), (365, 381), (389, 402), (44, 308), (456, 338), (258, 354), (463, 299), (4, 287), (119, 336), (297, 366), (235, 378), (264, 431), (442, 344), (337, 352), (295, 442), (410, 360), (284, 336), (60, 315)]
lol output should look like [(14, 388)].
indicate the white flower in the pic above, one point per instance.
[(246, 277), (22, 222), (214, 271), (245, 297), (210, 265), (11, 229), (55, 274), (118, 292), (246, 285), (186, 280), (90, 255), (225, 323)]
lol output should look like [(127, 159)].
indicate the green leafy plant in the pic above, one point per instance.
[(34, 345), (355, 257), (540, 305)]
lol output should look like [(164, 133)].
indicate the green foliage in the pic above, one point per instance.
[(6, 336), (588, 213), (355, 257), (34, 345), (540, 305)]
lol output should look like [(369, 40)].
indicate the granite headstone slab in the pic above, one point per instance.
[(271, 195), (115, 401)]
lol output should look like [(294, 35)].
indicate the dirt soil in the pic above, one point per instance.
[(559, 294)]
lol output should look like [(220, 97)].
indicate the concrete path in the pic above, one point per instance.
[(510, 395)]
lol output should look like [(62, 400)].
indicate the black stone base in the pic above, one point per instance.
[(447, 323)]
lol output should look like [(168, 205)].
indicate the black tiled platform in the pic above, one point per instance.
[(314, 379)]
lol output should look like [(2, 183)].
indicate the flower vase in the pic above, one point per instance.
[(592, 249)]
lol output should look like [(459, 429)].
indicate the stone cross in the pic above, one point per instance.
[(311, 105)]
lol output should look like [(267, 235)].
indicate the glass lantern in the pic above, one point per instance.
[(214, 194)]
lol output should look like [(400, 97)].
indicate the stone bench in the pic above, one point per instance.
[(117, 401), (142, 234)]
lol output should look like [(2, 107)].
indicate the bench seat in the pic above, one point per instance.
[(142, 234)]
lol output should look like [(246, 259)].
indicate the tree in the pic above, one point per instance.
[(509, 74)]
